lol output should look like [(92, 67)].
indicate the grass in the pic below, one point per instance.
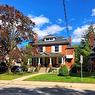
[(56, 78), (11, 76)]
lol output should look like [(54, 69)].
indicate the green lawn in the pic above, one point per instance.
[(56, 78), (11, 76)]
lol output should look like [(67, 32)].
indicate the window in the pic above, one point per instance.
[(68, 60), (40, 49), (56, 48), (49, 39)]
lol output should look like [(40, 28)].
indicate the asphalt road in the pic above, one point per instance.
[(27, 90)]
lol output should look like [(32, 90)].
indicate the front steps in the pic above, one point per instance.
[(43, 70)]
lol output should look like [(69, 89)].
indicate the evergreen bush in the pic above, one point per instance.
[(63, 71), (75, 69)]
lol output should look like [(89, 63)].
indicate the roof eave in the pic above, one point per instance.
[(52, 43)]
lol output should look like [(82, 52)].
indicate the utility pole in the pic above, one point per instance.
[(65, 16)]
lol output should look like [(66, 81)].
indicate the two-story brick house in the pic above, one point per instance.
[(53, 50)]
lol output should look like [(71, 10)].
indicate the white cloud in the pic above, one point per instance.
[(40, 20), (59, 21), (78, 33), (40, 32), (49, 30), (54, 29), (93, 12)]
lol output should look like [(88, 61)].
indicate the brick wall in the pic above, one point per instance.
[(70, 51), (48, 49)]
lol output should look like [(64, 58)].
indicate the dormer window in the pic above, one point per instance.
[(49, 39)]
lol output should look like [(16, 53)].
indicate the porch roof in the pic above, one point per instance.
[(44, 54)]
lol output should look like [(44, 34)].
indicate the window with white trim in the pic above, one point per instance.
[(56, 48), (49, 39)]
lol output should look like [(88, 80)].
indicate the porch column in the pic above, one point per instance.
[(50, 62), (63, 61), (39, 61)]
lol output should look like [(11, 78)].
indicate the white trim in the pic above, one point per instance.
[(38, 61), (60, 48), (44, 49), (69, 56), (50, 61), (52, 48), (63, 60)]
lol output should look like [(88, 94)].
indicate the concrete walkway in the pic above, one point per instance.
[(25, 77)]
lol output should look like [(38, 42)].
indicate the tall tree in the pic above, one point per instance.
[(14, 28), (85, 46)]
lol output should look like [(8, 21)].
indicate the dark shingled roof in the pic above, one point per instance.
[(58, 40), (49, 36)]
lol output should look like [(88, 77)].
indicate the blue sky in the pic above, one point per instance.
[(49, 16)]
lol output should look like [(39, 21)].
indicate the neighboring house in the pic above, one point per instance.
[(92, 54), (92, 59), (16, 56), (55, 51)]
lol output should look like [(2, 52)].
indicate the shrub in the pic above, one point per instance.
[(3, 67), (63, 71), (16, 69), (75, 69), (24, 68)]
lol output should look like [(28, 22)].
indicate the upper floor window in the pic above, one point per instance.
[(56, 48)]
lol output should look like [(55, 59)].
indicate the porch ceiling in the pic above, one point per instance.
[(43, 54)]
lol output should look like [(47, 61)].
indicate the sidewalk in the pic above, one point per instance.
[(49, 84), (20, 83)]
